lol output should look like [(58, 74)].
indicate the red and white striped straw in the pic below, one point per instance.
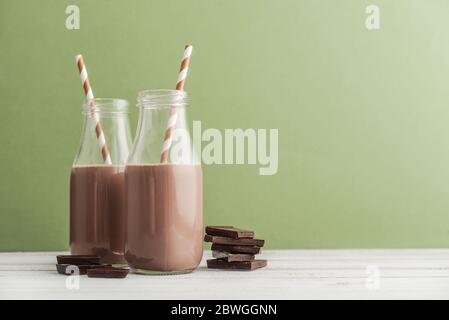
[(174, 112), (91, 100)]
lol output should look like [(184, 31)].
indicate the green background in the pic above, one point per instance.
[(363, 116)]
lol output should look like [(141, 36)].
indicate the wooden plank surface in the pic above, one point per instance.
[(291, 274)]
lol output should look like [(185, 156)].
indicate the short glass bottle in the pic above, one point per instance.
[(164, 199), (97, 220)]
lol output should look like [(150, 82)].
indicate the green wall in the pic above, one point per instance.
[(363, 116)]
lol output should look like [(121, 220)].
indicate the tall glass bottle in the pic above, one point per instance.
[(164, 198), (97, 220)]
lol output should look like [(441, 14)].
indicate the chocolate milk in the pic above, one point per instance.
[(97, 220), (164, 205)]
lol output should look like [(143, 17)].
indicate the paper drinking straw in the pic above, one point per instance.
[(91, 100), (174, 112)]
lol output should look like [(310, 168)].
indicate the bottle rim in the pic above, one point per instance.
[(106, 106), (162, 99)]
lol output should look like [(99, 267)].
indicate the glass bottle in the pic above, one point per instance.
[(164, 199), (97, 220)]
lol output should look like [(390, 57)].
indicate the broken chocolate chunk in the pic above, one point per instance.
[(69, 269), (231, 241), (237, 265), (230, 232), (78, 260), (107, 272), (235, 249), (231, 257)]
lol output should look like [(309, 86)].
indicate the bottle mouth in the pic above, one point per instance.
[(106, 106), (161, 99)]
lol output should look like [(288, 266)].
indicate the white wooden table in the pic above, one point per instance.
[(291, 274)]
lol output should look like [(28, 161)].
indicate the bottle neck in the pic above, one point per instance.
[(162, 126), (106, 127)]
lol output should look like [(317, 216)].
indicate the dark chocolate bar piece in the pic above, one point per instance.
[(229, 232), (78, 260), (107, 272), (82, 269), (230, 241), (231, 257), (235, 249), (237, 265)]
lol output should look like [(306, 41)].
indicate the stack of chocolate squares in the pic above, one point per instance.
[(233, 248)]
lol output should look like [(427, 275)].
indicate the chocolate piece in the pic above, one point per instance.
[(237, 265), (107, 272), (235, 249), (62, 268), (240, 242), (230, 257), (230, 232), (78, 260)]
